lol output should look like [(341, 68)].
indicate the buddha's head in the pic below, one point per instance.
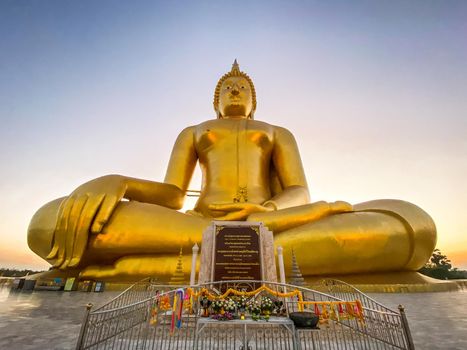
[(235, 95)]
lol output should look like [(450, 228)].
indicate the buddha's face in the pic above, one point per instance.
[(235, 98)]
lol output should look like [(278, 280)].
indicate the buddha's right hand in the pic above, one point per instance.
[(85, 211)]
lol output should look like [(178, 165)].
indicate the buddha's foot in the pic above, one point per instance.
[(379, 236)]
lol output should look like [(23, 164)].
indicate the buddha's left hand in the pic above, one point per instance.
[(237, 211)]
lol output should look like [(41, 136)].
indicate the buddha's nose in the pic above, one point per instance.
[(235, 91)]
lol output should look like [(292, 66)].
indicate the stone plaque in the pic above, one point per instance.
[(237, 254), (237, 250)]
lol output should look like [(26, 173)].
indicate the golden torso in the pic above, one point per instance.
[(235, 158)]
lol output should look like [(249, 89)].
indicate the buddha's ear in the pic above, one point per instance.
[(219, 115), (252, 114)]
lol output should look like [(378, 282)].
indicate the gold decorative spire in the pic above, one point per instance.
[(178, 277), (235, 69), (296, 277)]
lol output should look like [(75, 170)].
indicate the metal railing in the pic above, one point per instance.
[(136, 319), (141, 290), (345, 291)]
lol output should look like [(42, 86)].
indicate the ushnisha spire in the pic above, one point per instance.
[(235, 71)]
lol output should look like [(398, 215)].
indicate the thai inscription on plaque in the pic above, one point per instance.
[(237, 253)]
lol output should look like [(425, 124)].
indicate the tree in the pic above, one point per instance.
[(439, 260), (440, 267)]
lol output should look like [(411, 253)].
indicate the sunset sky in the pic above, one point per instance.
[(375, 93)]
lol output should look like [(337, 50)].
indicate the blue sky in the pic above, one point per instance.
[(373, 91)]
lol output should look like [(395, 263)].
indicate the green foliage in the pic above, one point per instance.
[(440, 267), (439, 260)]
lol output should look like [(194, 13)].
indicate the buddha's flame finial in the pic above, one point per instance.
[(235, 68)]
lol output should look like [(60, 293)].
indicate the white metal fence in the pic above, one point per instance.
[(129, 321)]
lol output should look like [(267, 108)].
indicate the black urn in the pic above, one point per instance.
[(304, 319)]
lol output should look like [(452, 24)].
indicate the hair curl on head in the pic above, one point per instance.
[(235, 72)]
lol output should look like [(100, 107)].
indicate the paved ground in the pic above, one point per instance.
[(436, 320), (51, 320), (43, 319)]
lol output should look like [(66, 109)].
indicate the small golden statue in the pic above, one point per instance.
[(251, 171)]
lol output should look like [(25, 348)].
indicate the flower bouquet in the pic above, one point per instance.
[(241, 305), (230, 305), (266, 307), (224, 309), (218, 306), (254, 308), (242, 301)]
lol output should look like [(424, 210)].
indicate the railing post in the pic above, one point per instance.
[(405, 326), (280, 258), (84, 326), (195, 251), (147, 318)]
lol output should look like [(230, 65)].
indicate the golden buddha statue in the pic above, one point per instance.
[(117, 227)]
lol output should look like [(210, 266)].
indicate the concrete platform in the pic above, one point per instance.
[(51, 320), (394, 282)]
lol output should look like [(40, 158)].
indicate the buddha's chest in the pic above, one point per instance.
[(232, 137)]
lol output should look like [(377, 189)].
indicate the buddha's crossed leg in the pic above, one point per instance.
[(144, 239)]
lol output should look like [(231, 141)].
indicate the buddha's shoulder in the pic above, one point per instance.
[(206, 124), (275, 129), (252, 124), (271, 127)]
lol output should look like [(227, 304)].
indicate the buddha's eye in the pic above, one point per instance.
[(228, 87), (243, 87)]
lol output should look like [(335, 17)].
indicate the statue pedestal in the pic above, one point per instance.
[(237, 250)]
